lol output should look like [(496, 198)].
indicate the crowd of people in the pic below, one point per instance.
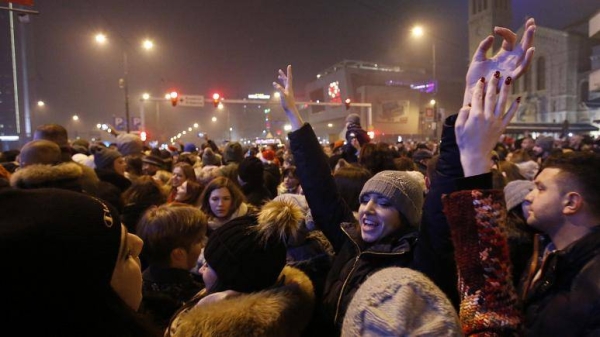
[(476, 235)]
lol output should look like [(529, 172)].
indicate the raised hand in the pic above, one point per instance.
[(482, 121), (288, 101), (511, 60)]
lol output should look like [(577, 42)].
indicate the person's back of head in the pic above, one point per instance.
[(53, 132), (233, 153), (170, 233), (400, 302), (39, 151), (251, 171), (376, 157), (350, 180)]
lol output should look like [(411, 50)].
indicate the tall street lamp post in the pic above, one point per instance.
[(418, 32), (124, 82)]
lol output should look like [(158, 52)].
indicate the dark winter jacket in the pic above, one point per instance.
[(165, 290), (354, 260), (114, 178), (565, 301)]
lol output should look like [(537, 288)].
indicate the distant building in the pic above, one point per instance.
[(400, 99), (556, 89)]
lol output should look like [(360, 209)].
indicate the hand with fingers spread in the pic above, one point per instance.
[(480, 124), (288, 102), (511, 60)]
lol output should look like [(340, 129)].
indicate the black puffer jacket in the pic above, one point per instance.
[(565, 301), (354, 260)]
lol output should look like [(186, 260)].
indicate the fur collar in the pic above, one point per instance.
[(283, 310), (38, 176)]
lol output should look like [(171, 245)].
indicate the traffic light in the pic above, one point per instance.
[(347, 103), (216, 98), (173, 95), (143, 136)]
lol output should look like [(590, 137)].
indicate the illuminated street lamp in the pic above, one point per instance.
[(124, 82), (147, 44), (75, 117), (41, 103), (419, 32), (100, 38), (145, 96)]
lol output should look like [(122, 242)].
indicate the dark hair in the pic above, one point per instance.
[(289, 171), (376, 157), (580, 170), (53, 132), (168, 227), (143, 193), (193, 190), (404, 164), (350, 180), (134, 165), (237, 197)]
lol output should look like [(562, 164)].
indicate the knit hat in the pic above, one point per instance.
[(528, 169), (39, 151), (353, 119), (241, 258), (190, 147), (70, 237), (516, 191), (210, 158), (233, 153), (104, 158), (129, 144), (545, 143), (400, 302), (403, 191), (251, 171)]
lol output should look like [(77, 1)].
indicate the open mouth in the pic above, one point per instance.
[(369, 224)]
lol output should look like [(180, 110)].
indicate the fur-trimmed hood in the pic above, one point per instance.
[(66, 176), (283, 310)]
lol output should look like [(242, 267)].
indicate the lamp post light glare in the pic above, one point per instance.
[(41, 103), (214, 119), (75, 117), (432, 102), (220, 106), (147, 44), (287, 127), (100, 38), (145, 96), (195, 125), (417, 31)]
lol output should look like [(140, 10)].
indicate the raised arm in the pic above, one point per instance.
[(511, 60), (327, 207)]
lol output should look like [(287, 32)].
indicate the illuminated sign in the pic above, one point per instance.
[(259, 96)]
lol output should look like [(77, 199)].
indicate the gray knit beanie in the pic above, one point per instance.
[(104, 158), (402, 189), (516, 191), (545, 143), (353, 119), (129, 144), (400, 302)]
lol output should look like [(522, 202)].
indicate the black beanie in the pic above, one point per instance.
[(105, 157), (242, 259), (251, 171), (56, 244)]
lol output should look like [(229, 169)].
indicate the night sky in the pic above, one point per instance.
[(234, 47)]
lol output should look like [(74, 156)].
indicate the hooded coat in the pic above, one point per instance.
[(282, 310)]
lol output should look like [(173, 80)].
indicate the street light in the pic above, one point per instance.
[(124, 82), (419, 32), (41, 103), (75, 117)]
